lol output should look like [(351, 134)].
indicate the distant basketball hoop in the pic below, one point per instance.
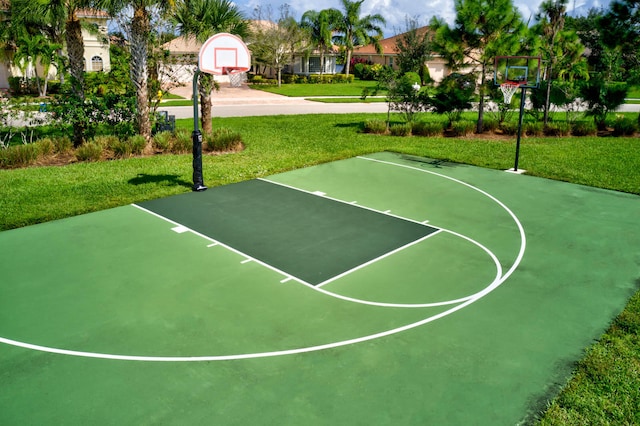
[(224, 54), (508, 89), (221, 54), (512, 73)]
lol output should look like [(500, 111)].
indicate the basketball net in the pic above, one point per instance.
[(508, 90), (236, 79)]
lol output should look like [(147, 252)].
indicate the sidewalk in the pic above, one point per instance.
[(242, 95)]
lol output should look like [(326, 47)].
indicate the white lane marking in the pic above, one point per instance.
[(215, 242), (377, 259), (353, 203), (427, 320)]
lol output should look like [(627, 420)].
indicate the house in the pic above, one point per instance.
[(437, 65), (183, 57), (96, 48)]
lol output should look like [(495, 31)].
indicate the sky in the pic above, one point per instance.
[(396, 12)]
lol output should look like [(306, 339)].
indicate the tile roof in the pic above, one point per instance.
[(388, 45)]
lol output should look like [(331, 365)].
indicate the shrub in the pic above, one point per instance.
[(375, 126), (106, 141), (137, 144), (557, 129), (289, 78), (162, 140), (46, 146), (462, 128), (182, 143), (62, 144), (403, 129), (113, 144), (533, 129), (222, 140), (624, 126), (90, 151), (490, 125), (509, 128), (19, 155), (427, 129), (584, 128)]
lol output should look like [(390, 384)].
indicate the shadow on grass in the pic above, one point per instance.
[(169, 180)]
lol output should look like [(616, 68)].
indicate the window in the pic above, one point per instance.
[(96, 63), (314, 64)]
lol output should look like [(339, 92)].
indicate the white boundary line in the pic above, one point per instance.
[(352, 203), (387, 213), (427, 320), (214, 242)]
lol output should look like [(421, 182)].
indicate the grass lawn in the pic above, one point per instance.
[(606, 385), (319, 90), (347, 100)]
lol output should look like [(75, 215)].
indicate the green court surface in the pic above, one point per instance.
[(381, 289)]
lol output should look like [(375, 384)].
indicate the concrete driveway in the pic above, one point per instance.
[(244, 101)]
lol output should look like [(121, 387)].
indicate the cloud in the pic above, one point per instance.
[(396, 12)]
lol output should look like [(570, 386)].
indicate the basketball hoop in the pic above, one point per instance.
[(237, 75), (508, 89)]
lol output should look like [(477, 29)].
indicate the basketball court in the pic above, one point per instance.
[(382, 289)]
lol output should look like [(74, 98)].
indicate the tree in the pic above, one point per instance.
[(603, 97), (453, 95), (139, 28), (604, 60), (551, 21), (414, 48), (320, 26), (202, 19), (620, 28), (33, 50), (356, 30), (61, 16), (276, 43), (404, 94), (483, 29)]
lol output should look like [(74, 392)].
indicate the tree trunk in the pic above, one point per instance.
[(75, 50), (548, 96), (480, 123), (205, 88), (138, 72)]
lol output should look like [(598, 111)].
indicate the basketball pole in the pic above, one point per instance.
[(522, 98), (196, 137)]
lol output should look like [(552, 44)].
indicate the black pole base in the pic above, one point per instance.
[(198, 182)]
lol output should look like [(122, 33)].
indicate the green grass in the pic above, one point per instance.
[(306, 90), (606, 386), (634, 92), (347, 100)]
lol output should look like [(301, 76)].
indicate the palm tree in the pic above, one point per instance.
[(321, 26), (49, 54), (552, 16), (202, 19), (61, 14), (358, 30), (139, 26), (33, 50)]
